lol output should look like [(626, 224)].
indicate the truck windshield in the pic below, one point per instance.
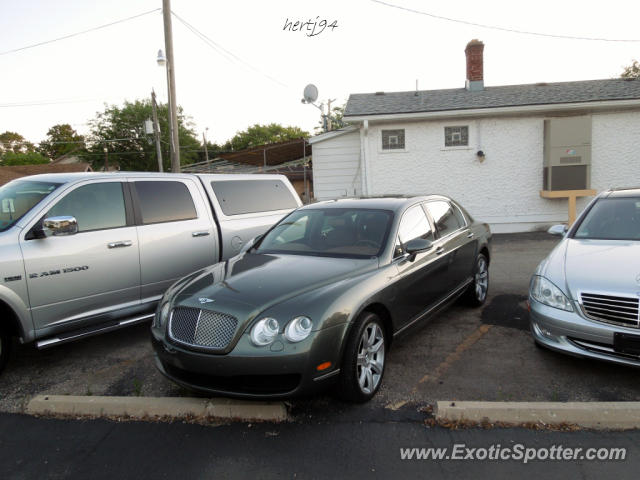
[(330, 232), (612, 219), (20, 196)]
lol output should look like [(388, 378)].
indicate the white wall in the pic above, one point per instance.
[(616, 151), (503, 190), (336, 167)]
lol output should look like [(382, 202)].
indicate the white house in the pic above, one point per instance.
[(500, 151)]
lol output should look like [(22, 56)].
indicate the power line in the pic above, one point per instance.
[(504, 29), (88, 140), (230, 56), (39, 103), (79, 33)]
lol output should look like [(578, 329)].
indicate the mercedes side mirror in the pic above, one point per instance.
[(558, 230), (417, 245), (60, 226)]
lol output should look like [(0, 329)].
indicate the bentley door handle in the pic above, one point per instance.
[(470, 235), (123, 243), (200, 234), (439, 250)]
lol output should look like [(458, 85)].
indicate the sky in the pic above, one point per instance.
[(247, 67)]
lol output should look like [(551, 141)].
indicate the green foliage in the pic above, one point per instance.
[(632, 71), (137, 152), (62, 140), (14, 142), (22, 158), (258, 134)]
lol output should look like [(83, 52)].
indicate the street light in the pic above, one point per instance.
[(173, 117)]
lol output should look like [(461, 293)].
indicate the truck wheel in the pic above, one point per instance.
[(5, 346), (364, 360)]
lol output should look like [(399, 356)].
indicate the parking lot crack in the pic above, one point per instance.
[(453, 356)]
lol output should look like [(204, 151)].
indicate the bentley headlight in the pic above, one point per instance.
[(298, 329), (265, 331), (547, 293)]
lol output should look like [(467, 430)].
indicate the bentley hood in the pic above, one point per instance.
[(247, 284)]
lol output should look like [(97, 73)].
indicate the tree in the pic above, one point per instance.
[(258, 134), (23, 158), (632, 71), (62, 140), (121, 131), (14, 142)]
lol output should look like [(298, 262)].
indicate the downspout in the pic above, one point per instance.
[(364, 156)]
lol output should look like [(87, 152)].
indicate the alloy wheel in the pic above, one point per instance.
[(370, 362), (481, 279)]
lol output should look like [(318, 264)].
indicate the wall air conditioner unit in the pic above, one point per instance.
[(567, 153)]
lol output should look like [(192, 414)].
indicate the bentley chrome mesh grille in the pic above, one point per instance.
[(202, 328)]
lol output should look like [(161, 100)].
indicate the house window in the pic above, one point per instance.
[(393, 139), (456, 136)]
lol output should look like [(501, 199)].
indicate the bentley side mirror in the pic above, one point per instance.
[(558, 230), (60, 226), (417, 245)]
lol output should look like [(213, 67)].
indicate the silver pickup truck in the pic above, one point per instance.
[(87, 253)]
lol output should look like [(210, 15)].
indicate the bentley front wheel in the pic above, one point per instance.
[(364, 360)]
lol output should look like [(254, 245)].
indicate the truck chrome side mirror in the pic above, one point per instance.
[(248, 245), (558, 230), (60, 226)]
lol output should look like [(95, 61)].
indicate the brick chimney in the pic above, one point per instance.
[(475, 79)]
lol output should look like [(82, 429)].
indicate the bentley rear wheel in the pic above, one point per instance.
[(364, 360), (477, 292)]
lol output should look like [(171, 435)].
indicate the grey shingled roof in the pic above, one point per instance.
[(492, 97)]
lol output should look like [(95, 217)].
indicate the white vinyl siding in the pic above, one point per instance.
[(336, 167)]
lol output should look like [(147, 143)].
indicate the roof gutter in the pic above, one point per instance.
[(333, 133), (499, 111)]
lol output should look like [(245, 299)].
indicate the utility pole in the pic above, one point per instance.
[(206, 152), (156, 130), (173, 112), (329, 114), (304, 170)]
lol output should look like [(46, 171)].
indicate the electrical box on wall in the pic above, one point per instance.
[(567, 153)]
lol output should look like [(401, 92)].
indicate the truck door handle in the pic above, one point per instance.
[(200, 234), (123, 243), (439, 250)]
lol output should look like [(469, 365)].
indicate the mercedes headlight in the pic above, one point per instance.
[(298, 329), (264, 332), (543, 291)]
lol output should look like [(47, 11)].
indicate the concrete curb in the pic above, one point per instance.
[(141, 407), (597, 415)]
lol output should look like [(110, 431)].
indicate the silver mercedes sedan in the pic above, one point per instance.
[(584, 296)]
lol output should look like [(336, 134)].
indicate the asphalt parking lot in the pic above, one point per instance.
[(462, 354)]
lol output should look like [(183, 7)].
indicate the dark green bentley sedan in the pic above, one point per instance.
[(318, 299)]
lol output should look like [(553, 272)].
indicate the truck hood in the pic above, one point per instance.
[(248, 284), (606, 266)]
